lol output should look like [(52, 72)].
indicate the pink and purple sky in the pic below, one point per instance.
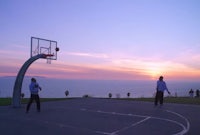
[(104, 39)]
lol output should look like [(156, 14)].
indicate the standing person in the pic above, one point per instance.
[(191, 93), (197, 93), (160, 88), (34, 89)]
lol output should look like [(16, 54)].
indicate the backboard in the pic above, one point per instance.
[(44, 46)]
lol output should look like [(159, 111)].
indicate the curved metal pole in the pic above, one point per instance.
[(16, 100)]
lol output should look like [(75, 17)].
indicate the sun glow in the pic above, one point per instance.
[(154, 70)]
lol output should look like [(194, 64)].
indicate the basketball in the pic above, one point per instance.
[(57, 49)]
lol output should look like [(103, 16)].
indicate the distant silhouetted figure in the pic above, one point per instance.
[(197, 93), (160, 88), (34, 89), (191, 93), (110, 95)]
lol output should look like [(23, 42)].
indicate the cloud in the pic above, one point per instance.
[(122, 69), (94, 55), (106, 66), (84, 72), (14, 53), (156, 67), (9, 70), (24, 47), (189, 57)]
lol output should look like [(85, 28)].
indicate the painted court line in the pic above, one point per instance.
[(125, 128), (185, 128)]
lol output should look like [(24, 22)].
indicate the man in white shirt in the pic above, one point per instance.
[(160, 88), (34, 89)]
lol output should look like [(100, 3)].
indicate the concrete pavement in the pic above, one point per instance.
[(92, 116)]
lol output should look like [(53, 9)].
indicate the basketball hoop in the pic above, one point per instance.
[(48, 48), (48, 57)]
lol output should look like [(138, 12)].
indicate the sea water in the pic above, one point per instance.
[(96, 88)]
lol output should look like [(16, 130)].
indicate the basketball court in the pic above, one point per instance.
[(92, 116)]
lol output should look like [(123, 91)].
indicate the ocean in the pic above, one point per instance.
[(55, 88)]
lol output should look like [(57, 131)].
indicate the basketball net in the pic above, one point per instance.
[(48, 61), (48, 57)]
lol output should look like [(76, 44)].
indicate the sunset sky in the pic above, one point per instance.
[(104, 39)]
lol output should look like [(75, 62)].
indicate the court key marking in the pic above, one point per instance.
[(185, 128)]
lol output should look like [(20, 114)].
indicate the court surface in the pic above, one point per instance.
[(93, 116)]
